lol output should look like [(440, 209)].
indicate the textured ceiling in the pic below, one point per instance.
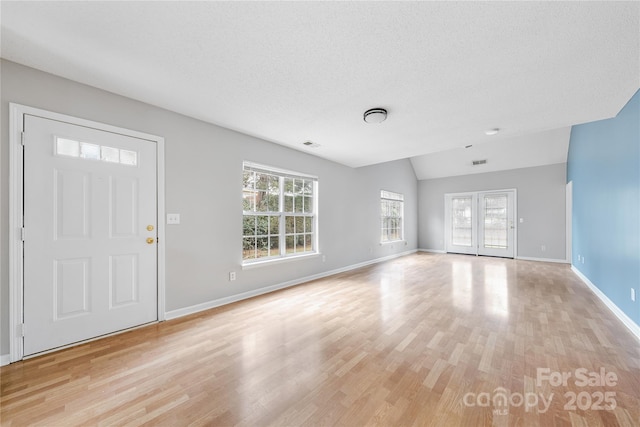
[(289, 72), (535, 149)]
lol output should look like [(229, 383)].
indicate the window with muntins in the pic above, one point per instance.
[(392, 213), (279, 213)]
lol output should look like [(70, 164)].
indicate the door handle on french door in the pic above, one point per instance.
[(150, 240)]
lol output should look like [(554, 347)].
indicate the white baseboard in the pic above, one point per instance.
[(5, 359), (433, 251), (626, 320), (559, 261), (173, 314)]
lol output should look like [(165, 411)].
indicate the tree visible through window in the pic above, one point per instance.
[(279, 213), (392, 213)]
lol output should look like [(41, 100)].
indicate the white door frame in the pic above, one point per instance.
[(569, 221), (448, 247), (513, 225), (16, 210), (515, 216)]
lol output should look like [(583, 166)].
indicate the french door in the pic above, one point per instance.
[(461, 223), (481, 223)]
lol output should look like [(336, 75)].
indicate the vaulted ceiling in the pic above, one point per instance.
[(291, 72)]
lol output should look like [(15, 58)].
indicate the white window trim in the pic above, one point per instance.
[(261, 262), (277, 171), (284, 257), (401, 239)]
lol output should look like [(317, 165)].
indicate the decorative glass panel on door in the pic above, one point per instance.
[(495, 221), (497, 231), (461, 221)]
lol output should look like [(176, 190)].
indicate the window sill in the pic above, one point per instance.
[(256, 264), (391, 242)]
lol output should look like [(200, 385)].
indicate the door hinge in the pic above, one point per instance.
[(22, 233), (22, 138), (21, 330)]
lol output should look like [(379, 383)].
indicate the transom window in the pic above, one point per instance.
[(279, 213), (86, 150), (391, 215)]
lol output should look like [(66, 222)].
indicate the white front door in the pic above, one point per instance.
[(480, 223), (90, 219)]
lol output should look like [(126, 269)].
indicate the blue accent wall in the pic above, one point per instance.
[(604, 165)]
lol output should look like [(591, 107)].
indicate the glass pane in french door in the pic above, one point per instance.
[(461, 226), (495, 221)]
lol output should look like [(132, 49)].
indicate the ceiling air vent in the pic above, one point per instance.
[(479, 162)]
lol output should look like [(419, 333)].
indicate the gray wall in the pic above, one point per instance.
[(541, 202), (203, 184)]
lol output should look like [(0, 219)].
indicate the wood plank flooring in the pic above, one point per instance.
[(426, 339)]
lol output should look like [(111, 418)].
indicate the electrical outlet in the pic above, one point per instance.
[(633, 294), (544, 248), (232, 276), (324, 258)]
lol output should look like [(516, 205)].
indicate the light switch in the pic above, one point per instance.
[(521, 220), (173, 219)]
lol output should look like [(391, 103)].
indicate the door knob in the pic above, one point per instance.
[(150, 227), (150, 240)]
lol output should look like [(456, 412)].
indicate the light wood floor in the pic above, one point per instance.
[(421, 340)]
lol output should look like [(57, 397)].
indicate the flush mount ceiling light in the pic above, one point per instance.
[(375, 115), (493, 131)]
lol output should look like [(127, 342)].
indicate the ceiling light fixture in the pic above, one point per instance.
[(492, 131), (375, 115)]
